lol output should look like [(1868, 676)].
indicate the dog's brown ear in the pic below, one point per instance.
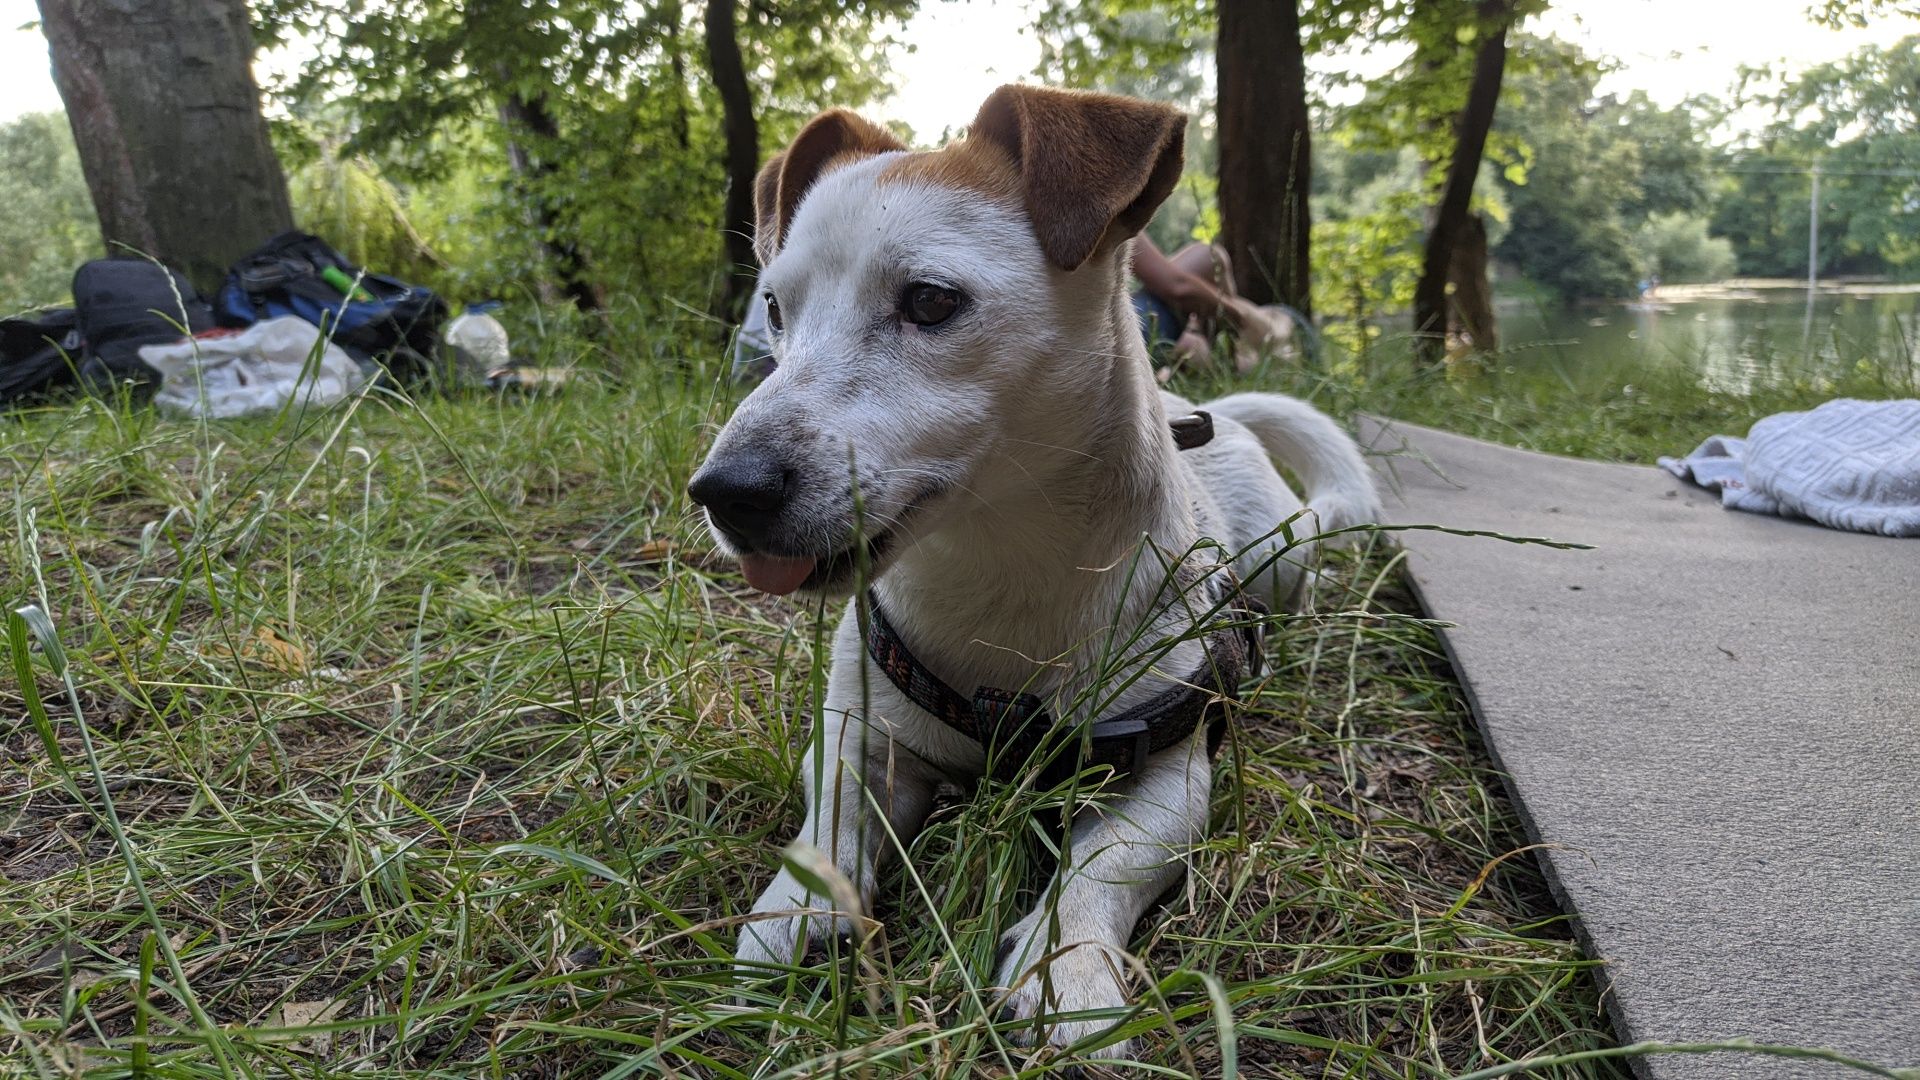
[(1095, 167), (834, 136), (766, 208)]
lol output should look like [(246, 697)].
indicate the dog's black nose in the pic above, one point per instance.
[(744, 493)]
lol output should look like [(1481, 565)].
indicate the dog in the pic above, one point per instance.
[(964, 417)]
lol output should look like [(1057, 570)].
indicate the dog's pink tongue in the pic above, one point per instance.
[(776, 574)]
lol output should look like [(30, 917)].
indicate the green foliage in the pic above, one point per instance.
[(1858, 119), (1676, 247), (348, 201), (1761, 208), (1371, 179), (1145, 48), (1676, 161), (582, 122), (1836, 14), (1369, 214), (1363, 266), (47, 227), (1600, 168), (1416, 104)]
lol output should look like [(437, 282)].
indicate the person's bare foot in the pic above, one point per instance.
[(1259, 333), (1245, 356), (1264, 330), (1192, 351)]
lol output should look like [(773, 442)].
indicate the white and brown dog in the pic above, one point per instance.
[(964, 412)]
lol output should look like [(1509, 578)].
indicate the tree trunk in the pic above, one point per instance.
[(743, 149), (531, 134), (1470, 142), (1265, 150), (1471, 319), (670, 14), (166, 115)]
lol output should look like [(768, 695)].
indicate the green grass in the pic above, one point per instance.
[(433, 740)]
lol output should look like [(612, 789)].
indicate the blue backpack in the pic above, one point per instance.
[(382, 322)]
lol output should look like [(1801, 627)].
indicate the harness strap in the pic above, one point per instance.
[(1015, 727)]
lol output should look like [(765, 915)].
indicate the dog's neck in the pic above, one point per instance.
[(1020, 587)]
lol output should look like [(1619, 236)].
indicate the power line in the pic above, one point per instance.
[(1802, 170)]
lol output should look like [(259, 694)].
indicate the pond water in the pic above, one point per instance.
[(1737, 335)]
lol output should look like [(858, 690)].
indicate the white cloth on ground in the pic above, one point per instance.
[(222, 373), (1846, 464)]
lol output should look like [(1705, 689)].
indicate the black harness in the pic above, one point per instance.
[(1015, 728)]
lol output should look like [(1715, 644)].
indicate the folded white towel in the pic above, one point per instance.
[(1846, 464)]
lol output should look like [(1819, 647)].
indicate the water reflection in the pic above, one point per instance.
[(1738, 335)]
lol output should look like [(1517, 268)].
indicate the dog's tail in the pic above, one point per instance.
[(1339, 486)]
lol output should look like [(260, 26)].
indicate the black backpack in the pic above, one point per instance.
[(39, 352), (387, 322), (123, 304)]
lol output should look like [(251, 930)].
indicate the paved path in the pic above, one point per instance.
[(1717, 717)]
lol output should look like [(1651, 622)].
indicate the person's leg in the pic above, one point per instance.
[(1187, 293), (1194, 296), (1208, 262), (1160, 324)]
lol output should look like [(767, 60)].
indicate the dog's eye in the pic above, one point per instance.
[(928, 305), (773, 314)]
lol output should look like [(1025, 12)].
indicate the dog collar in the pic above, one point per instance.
[(1016, 730)]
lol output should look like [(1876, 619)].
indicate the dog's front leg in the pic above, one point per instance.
[(1068, 954), (852, 770)]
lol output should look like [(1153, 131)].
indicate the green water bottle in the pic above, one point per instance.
[(338, 278)]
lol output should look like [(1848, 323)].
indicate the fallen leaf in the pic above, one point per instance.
[(299, 1014), (655, 550), (277, 652), (74, 1059), (268, 649)]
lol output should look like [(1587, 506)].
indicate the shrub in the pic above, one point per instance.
[(1677, 248)]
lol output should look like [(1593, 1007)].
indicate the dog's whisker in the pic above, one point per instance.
[(1055, 446), (977, 497), (1028, 473), (1098, 354), (941, 476)]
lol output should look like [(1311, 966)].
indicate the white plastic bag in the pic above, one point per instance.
[(478, 341), (224, 374)]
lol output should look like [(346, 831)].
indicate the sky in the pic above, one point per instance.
[(1669, 48), (1672, 49)]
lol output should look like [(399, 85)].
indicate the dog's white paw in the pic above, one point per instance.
[(773, 939), (1086, 976)]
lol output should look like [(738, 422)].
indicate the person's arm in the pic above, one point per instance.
[(1185, 293)]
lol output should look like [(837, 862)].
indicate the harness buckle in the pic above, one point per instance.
[(1123, 743), (1195, 429), (1252, 634)]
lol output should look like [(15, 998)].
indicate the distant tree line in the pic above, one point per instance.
[(590, 150), (579, 148)]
